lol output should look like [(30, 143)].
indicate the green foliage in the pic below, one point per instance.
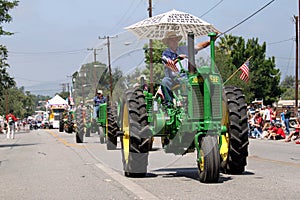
[(232, 52), (158, 69), (92, 77), (23, 103), (288, 85), (5, 80), (288, 82)]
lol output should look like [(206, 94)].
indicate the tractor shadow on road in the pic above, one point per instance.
[(191, 173), (16, 145)]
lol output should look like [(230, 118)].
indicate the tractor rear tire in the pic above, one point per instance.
[(88, 132), (61, 125), (209, 165), (112, 127), (137, 135), (70, 128), (80, 126), (237, 129)]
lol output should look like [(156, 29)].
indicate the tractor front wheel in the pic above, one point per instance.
[(209, 159), (101, 135)]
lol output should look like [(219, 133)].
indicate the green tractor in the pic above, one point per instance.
[(107, 125), (83, 123), (67, 121), (207, 117)]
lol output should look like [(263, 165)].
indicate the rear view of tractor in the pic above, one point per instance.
[(206, 117), (106, 125)]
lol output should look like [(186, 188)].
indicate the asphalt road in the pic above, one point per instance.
[(46, 164)]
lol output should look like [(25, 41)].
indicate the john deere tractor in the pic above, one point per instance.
[(106, 125), (206, 117)]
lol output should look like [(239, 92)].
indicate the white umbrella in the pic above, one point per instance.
[(182, 23)]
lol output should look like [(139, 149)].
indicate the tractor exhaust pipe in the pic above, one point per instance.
[(191, 51)]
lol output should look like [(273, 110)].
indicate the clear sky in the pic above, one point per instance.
[(52, 36)]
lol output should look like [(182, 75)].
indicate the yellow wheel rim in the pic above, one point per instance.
[(225, 138), (201, 161), (126, 132)]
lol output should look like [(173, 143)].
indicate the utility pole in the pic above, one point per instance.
[(151, 52), (109, 66), (296, 67), (95, 53)]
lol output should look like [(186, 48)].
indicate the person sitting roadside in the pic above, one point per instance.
[(278, 134), (272, 128), (294, 135)]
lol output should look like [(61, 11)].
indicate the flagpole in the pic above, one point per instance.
[(236, 71)]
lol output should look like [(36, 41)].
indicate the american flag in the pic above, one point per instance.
[(170, 64), (245, 71)]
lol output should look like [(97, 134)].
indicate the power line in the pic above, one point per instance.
[(288, 65), (281, 41), (247, 18), (128, 14), (211, 8), (48, 52)]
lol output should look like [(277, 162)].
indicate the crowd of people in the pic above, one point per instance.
[(264, 124)]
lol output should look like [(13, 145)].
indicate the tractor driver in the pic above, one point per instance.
[(171, 70), (98, 99)]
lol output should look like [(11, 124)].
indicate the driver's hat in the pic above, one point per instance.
[(171, 35), (99, 92)]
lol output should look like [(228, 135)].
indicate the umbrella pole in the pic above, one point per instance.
[(151, 52), (151, 66)]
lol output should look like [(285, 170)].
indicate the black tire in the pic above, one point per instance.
[(61, 126), (237, 129), (88, 132), (209, 165), (70, 127), (80, 126), (112, 127), (87, 121), (137, 135), (101, 135)]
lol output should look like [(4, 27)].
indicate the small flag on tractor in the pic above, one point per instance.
[(245, 71)]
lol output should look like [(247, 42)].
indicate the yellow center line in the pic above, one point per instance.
[(64, 141)]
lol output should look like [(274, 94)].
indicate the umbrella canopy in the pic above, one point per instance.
[(182, 23)]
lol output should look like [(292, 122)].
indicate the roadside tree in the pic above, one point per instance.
[(233, 51)]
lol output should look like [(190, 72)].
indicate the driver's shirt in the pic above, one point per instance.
[(169, 54), (99, 101)]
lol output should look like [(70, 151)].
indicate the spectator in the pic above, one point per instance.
[(273, 114), (11, 119), (294, 135), (251, 123), (258, 124), (271, 129), (267, 117), (287, 115), (1, 124), (278, 134)]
